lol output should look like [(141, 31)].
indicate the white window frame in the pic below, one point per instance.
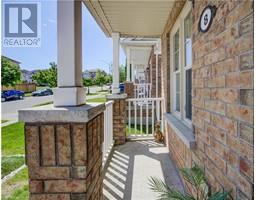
[(179, 25), (186, 67), (175, 29)]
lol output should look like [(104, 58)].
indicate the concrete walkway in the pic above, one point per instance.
[(131, 166)]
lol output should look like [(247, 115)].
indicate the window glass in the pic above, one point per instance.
[(177, 79), (176, 51), (188, 105), (188, 39)]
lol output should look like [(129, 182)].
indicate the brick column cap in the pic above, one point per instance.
[(49, 113)]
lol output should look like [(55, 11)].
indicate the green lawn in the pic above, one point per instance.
[(92, 94), (16, 188), (43, 104), (9, 164), (13, 139), (136, 131), (29, 94), (97, 100), (4, 120)]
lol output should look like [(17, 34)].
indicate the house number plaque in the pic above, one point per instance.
[(206, 18)]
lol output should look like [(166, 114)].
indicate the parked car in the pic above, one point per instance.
[(11, 95), (43, 92)]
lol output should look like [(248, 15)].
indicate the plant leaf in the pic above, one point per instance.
[(165, 192), (219, 196), (194, 175)]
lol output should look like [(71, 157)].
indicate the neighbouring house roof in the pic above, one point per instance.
[(140, 48), (12, 60), (131, 18)]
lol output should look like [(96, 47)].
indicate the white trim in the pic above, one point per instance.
[(116, 42), (179, 26), (185, 68), (157, 75)]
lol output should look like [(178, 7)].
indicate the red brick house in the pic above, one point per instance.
[(202, 93)]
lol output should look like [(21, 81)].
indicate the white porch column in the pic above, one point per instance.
[(70, 91), (151, 72), (156, 74), (115, 85), (128, 75), (133, 74)]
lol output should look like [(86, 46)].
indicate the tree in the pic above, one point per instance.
[(11, 73), (87, 82), (100, 78), (122, 75), (108, 78), (52, 75), (47, 76)]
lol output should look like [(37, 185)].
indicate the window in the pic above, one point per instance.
[(181, 65), (188, 65), (176, 57)]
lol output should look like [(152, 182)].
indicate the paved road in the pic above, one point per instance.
[(10, 108)]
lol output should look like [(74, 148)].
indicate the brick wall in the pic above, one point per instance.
[(152, 69), (64, 160), (129, 89), (119, 119), (222, 90)]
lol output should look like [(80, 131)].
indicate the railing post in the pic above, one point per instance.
[(108, 132), (119, 117)]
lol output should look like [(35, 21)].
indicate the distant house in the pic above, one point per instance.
[(12, 60), (27, 75), (90, 73)]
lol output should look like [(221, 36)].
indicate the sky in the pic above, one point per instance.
[(97, 48)]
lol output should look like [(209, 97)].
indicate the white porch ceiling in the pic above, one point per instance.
[(144, 18)]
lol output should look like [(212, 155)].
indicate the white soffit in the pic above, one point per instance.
[(145, 18)]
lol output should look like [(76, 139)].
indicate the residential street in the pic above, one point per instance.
[(10, 108)]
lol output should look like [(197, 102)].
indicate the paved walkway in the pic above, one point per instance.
[(131, 166)]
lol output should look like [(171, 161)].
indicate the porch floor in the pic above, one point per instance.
[(130, 167)]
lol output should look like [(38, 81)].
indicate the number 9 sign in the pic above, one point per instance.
[(206, 18)]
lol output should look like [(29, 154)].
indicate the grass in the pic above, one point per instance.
[(97, 100), (9, 164), (13, 139), (16, 188), (29, 94), (4, 120), (43, 104), (92, 94), (136, 131)]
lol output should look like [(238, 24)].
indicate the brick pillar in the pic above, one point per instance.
[(64, 155), (129, 89), (119, 117)]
